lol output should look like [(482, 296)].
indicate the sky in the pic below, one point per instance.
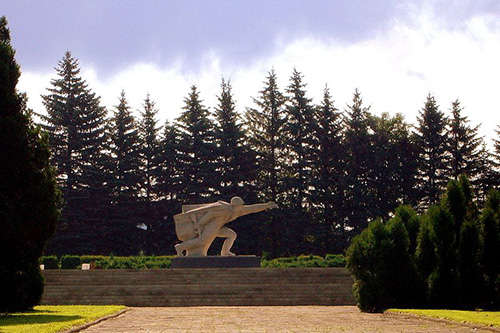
[(394, 52)]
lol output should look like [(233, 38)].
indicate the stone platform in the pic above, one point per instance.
[(199, 287), (216, 262)]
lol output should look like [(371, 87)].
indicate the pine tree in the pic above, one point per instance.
[(235, 158), (358, 165), (300, 142), (125, 180), (197, 157), (76, 124), (328, 172), (29, 197), (265, 126), (464, 145), (125, 147), (169, 165), (150, 149), (392, 164), (432, 147)]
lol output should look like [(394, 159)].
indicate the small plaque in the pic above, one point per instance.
[(216, 262)]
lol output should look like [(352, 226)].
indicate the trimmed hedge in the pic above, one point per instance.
[(330, 260), (70, 262), (49, 262), (158, 262)]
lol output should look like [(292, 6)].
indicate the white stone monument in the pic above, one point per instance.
[(198, 225)]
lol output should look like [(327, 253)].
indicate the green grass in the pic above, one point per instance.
[(488, 318), (47, 319)]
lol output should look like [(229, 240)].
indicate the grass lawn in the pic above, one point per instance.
[(488, 318), (45, 319)]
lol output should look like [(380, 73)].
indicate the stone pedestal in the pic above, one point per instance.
[(216, 262)]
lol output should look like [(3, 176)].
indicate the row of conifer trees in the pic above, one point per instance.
[(445, 257), (331, 171)]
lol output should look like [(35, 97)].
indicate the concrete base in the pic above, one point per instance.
[(216, 262)]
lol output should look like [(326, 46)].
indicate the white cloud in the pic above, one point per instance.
[(394, 72)]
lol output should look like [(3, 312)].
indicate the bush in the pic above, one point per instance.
[(50, 262), (133, 262), (447, 258), (70, 262), (330, 260)]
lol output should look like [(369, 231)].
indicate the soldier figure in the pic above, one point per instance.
[(198, 225)]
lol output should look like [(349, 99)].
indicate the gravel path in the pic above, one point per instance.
[(270, 319)]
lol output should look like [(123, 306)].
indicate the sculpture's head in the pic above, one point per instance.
[(237, 201)]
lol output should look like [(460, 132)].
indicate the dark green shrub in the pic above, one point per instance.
[(70, 262), (50, 262), (382, 267)]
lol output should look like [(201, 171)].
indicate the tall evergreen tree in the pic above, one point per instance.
[(464, 145), (265, 125), (169, 165), (125, 179), (125, 147), (196, 151), (76, 125), (300, 142), (29, 197), (358, 163), (235, 158), (432, 146), (393, 164), (327, 174), (150, 148)]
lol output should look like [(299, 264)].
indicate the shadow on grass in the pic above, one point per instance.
[(30, 319)]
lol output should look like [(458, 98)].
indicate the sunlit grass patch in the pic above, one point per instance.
[(489, 318), (46, 319)]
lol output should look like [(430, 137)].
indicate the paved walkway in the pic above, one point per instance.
[(269, 319)]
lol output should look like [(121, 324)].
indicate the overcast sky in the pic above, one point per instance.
[(394, 52)]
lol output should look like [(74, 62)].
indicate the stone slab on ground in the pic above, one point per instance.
[(216, 262), (271, 319)]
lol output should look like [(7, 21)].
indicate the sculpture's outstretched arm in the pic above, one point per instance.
[(249, 209)]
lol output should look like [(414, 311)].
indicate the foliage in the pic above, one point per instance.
[(451, 261), (49, 319), (49, 262), (75, 122), (432, 148), (29, 197), (330, 260), (70, 262), (134, 262)]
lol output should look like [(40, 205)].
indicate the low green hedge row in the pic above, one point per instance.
[(106, 262), (152, 262), (330, 260)]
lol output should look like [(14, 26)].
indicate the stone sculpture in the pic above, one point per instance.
[(198, 225)]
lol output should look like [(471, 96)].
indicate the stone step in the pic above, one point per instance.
[(192, 287)]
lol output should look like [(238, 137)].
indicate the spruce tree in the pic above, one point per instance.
[(169, 164), (125, 146), (432, 147), (150, 149), (464, 146), (265, 125), (197, 179), (235, 158), (392, 164), (76, 123), (328, 171), (300, 142), (29, 197), (125, 179), (358, 200)]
